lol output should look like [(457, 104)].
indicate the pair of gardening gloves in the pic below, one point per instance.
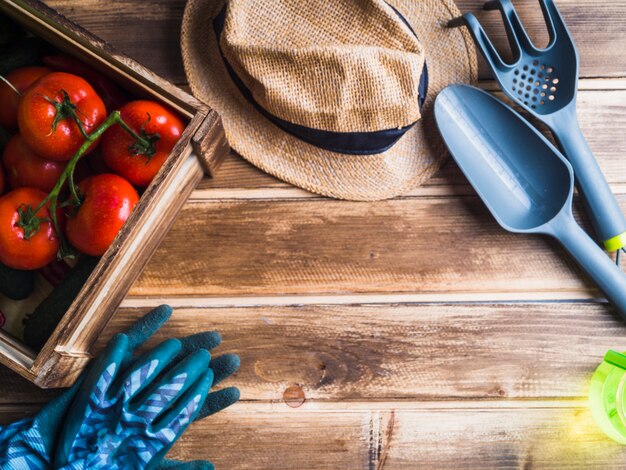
[(126, 411)]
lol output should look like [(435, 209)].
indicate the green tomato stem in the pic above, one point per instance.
[(68, 174), (65, 109), (113, 118), (137, 137)]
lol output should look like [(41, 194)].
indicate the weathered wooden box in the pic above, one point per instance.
[(200, 151)]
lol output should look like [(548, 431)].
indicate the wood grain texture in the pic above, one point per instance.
[(318, 246), (387, 383), (430, 438), (376, 439), (146, 31), (540, 435), (409, 352), (210, 145), (598, 27), (393, 352)]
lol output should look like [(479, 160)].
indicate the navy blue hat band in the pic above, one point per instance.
[(352, 143)]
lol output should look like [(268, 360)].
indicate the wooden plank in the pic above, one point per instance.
[(319, 246), (367, 298), (480, 438), (539, 435), (598, 27), (393, 352), (146, 31)]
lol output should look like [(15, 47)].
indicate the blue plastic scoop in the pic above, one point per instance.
[(521, 177), (544, 83)]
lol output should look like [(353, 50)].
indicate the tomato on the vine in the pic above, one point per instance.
[(112, 95), (26, 169), (21, 79), (107, 202), (28, 241), (155, 123), (50, 111)]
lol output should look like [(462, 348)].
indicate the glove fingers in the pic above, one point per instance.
[(224, 366), (94, 389), (144, 328), (171, 386), (207, 340), (104, 370), (184, 410), (217, 401), (144, 370)]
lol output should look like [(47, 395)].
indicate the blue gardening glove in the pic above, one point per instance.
[(223, 367), (126, 415), (29, 444)]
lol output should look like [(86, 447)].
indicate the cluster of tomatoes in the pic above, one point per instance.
[(71, 172)]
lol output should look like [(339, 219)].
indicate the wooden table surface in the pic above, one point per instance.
[(411, 333)]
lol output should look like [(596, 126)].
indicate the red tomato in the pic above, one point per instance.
[(18, 248), (21, 79), (26, 169), (153, 122), (49, 127), (112, 95), (108, 201)]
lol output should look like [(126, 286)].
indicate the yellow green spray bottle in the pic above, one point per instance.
[(607, 396)]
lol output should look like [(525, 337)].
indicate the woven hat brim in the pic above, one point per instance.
[(450, 56)]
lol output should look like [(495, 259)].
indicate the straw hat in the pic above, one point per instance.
[(334, 96)]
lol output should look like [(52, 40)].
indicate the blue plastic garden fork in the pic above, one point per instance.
[(544, 82)]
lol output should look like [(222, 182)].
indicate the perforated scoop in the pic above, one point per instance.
[(544, 82), (522, 178)]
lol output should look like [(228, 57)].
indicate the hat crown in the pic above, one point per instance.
[(339, 66)]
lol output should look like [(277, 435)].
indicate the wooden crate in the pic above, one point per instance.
[(200, 151)]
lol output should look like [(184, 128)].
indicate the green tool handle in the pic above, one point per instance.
[(592, 259), (606, 216)]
